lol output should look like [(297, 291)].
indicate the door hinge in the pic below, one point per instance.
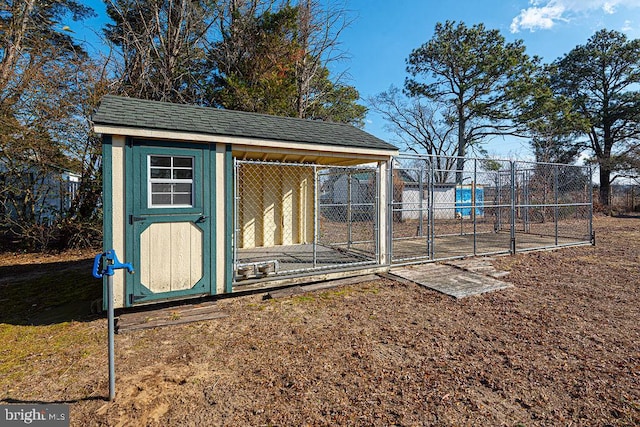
[(133, 298), (133, 219)]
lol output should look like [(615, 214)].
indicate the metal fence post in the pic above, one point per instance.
[(376, 212), (499, 203), (557, 208), (513, 208), (426, 168), (473, 205), (316, 208), (592, 235), (389, 237), (432, 225), (526, 181), (420, 207), (236, 210), (349, 211)]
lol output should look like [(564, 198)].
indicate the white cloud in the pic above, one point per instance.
[(537, 18), (627, 26), (543, 15), (609, 8)]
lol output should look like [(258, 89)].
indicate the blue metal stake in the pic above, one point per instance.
[(105, 264)]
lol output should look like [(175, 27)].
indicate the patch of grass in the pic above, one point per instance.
[(371, 288), (336, 293), (27, 349), (303, 298), (58, 295)]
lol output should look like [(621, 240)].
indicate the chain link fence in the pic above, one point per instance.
[(449, 207), (293, 218), (552, 201)]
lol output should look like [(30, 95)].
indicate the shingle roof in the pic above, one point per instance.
[(132, 112)]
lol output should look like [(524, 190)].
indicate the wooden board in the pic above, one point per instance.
[(174, 315)]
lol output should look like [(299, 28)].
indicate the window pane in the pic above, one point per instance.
[(161, 173), (182, 188), (182, 162), (170, 181), (160, 161), (182, 174), (161, 188), (182, 199), (161, 199)]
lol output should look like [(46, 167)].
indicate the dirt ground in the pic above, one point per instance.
[(560, 348)]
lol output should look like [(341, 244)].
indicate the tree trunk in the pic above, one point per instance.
[(604, 162), (16, 35), (605, 186)]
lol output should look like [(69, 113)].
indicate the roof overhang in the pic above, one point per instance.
[(255, 148)]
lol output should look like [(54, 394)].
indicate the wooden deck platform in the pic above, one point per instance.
[(455, 281)]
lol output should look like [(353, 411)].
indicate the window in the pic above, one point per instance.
[(170, 181)]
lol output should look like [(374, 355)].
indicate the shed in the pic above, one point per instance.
[(449, 199), (204, 201), (414, 200)]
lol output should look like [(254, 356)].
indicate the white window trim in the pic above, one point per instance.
[(151, 181)]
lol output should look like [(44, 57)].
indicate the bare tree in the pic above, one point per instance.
[(319, 31), (29, 40), (421, 128), (17, 17), (163, 47)]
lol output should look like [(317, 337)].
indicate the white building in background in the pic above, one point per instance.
[(50, 193)]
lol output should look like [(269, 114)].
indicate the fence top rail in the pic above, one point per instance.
[(533, 162), (435, 156), (496, 159)]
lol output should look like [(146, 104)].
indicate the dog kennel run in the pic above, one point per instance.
[(298, 219), (449, 207)]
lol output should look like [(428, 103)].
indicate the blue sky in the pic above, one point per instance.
[(383, 34)]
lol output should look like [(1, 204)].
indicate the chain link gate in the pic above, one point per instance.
[(296, 218), (411, 209)]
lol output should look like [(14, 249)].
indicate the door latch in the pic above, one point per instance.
[(202, 219), (133, 219)]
